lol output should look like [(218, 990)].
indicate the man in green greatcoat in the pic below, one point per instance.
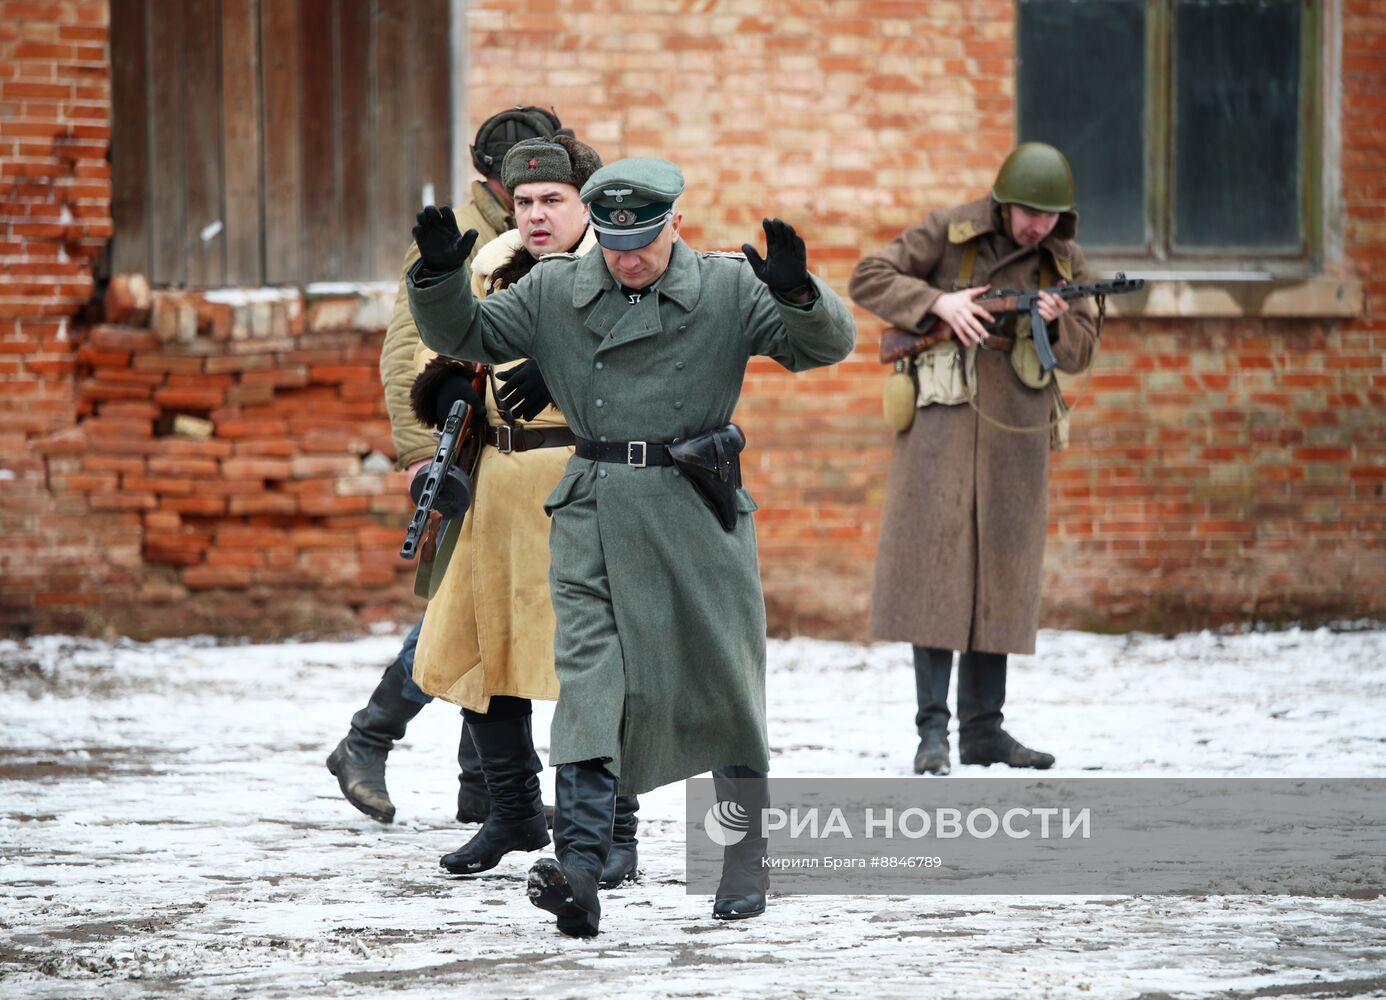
[(660, 644)]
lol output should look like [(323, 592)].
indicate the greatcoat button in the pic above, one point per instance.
[(679, 366), (678, 404), (600, 365), (601, 473), (600, 403)]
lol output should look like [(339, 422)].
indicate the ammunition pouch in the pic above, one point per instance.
[(944, 374), (1025, 360), (712, 463)]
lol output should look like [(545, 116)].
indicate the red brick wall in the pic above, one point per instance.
[(1221, 470), (265, 519)]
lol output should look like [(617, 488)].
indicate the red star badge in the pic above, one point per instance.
[(533, 163)]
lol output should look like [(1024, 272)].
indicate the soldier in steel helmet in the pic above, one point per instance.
[(358, 761), (962, 537)]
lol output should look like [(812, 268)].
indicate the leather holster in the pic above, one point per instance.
[(712, 463)]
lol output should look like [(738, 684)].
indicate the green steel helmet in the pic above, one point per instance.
[(1035, 175)]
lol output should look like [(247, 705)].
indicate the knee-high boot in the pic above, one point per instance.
[(473, 800), (745, 877), (516, 821), (584, 814), (623, 861), (932, 669), (981, 694), (358, 762)]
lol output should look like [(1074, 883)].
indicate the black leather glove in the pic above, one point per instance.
[(785, 267), (441, 247), (454, 492), (450, 390), (525, 393)]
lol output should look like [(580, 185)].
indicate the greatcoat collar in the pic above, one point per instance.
[(680, 283)]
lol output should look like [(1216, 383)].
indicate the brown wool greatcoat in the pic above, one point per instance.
[(962, 533)]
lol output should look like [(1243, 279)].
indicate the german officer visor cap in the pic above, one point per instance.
[(631, 200)]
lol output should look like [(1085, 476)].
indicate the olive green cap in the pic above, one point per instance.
[(562, 159), (1036, 176), (631, 200)]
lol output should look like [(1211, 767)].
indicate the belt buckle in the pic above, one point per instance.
[(630, 454), (505, 439)]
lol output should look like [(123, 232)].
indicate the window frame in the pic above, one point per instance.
[(1318, 99)]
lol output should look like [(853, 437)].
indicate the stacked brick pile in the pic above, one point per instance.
[(243, 441)]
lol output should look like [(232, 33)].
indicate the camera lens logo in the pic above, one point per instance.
[(726, 823)]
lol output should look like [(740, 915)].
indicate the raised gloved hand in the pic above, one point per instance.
[(441, 247), (785, 267), (525, 393), (454, 493)]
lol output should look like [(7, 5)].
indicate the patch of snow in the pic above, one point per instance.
[(167, 827)]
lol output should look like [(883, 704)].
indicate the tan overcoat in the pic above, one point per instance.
[(489, 629), (963, 528), (399, 353)]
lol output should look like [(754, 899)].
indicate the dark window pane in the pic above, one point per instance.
[(1082, 88), (1237, 125)]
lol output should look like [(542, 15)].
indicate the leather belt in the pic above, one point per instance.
[(638, 454), (506, 439), (997, 342)]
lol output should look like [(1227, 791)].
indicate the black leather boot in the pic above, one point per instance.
[(981, 693), (745, 877), (622, 862), (473, 801), (584, 813), (932, 668), (516, 821), (359, 760)]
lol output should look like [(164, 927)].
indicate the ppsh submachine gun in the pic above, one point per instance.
[(897, 344), (453, 459)]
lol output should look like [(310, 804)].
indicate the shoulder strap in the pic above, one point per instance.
[(965, 268)]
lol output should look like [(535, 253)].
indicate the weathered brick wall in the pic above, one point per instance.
[(1221, 469), (227, 470), (54, 220), (168, 463)]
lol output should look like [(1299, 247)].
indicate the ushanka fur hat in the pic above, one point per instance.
[(562, 159)]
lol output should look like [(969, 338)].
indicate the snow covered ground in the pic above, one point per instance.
[(167, 828)]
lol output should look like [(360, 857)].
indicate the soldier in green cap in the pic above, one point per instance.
[(358, 761), (963, 529), (660, 645)]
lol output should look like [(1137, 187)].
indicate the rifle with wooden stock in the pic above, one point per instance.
[(898, 344)]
